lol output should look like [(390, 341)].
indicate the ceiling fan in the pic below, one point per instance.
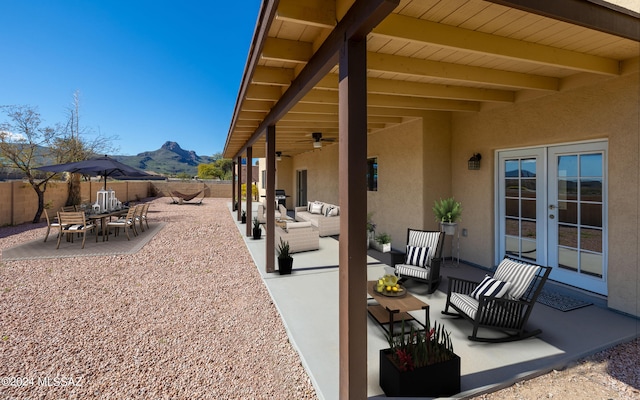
[(317, 140)]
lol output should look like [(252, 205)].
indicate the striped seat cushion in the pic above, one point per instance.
[(490, 287), (425, 239), (466, 304), (518, 274), (413, 271), (78, 227)]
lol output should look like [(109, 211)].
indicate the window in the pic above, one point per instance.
[(372, 174)]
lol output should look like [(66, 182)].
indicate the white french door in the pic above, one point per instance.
[(552, 210)]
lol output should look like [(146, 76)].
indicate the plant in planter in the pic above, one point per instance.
[(285, 261), (257, 232), (383, 242), (371, 229), (243, 217), (447, 212), (420, 364), (235, 206)]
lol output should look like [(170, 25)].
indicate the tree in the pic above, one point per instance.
[(219, 169), (70, 144), (25, 145), (22, 140)]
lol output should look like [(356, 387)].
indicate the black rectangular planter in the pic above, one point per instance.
[(436, 380)]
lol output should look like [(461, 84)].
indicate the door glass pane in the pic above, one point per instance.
[(513, 208), (512, 168), (591, 165), (591, 264), (528, 168), (568, 259), (590, 189), (512, 227), (512, 246), (591, 239), (529, 229), (567, 189), (529, 249), (511, 188), (529, 209), (568, 165), (568, 212), (528, 188), (567, 235), (591, 214)]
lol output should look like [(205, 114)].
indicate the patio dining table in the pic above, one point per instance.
[(103, 219)]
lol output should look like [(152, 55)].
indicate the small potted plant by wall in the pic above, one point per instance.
[(235, 206), (382, 242), (447, 212), (257, 232), (371, 229), (420, 364), (243, 217), (285, 261)]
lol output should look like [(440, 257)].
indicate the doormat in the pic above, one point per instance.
[(560, 301)]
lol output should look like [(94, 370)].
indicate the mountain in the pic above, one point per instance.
[(170, 160)]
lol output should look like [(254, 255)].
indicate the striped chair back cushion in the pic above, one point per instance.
[(518, 273), (425, 239)]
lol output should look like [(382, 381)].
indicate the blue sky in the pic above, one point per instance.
[(147, 71)]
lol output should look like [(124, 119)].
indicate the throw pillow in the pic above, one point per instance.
[(490, 287), (335, 211), (327, 210), (417, 256), (316, 208)]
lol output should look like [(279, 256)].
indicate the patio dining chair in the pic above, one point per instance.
[(72, 223), (127, 222), (502, 303), (50, 224), (143, 216)]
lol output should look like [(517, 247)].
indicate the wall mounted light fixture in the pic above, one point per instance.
[(474, 161)]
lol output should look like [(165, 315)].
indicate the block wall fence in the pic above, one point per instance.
[(19, 202)]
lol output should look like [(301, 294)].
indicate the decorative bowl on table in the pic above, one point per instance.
[(388, 286)]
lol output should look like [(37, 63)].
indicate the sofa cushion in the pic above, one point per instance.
[(316, 207), (519, 274), (298, 225), (417, 256), (490, 287), (330, 210)]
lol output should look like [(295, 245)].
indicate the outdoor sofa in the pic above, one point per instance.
[(301, 236), (324, 217)]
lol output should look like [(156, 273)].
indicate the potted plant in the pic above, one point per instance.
[(244, 217), (257, 232), (382, 242), (371, 229), (420, 364), (285, 261), (447, 212), (235, 206)]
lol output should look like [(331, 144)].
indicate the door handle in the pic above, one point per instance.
[(552, 207)]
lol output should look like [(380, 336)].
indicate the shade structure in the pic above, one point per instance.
[(104, 166)]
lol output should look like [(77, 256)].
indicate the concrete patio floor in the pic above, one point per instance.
[(308, 304)]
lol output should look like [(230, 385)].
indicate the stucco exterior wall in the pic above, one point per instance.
[(322, 174), (607, 110)]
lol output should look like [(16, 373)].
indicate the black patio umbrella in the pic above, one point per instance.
[(104, 166)]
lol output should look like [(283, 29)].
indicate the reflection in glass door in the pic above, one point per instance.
[(552, 206), (576, 208), (521, 202)]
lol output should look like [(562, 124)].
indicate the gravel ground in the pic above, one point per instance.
[(171, 323), (186, 317)]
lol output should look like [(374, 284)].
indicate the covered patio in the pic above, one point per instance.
[(415, 88), (308, 306)]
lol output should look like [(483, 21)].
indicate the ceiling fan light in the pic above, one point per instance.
[(317, 145), (278, 156)]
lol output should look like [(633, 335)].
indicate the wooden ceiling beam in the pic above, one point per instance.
[(421, 31), (319, 13), (461, 73), (272, 76), (287, 50), (592, 14)]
